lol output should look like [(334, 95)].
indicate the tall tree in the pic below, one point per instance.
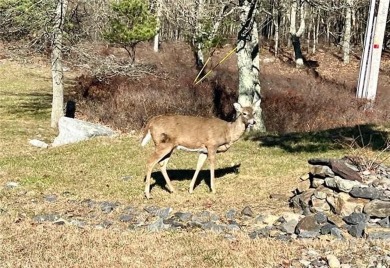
[(248, 58), (294, 34), (347, 31), (131, 23), (56, 63)]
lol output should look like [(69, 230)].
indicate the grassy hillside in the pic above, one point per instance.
[(112, 169)]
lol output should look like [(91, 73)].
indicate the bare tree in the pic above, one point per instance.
[(347, 31), (56, 64), (248, 58), (296, 35)]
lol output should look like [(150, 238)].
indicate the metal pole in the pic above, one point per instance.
[(367, 48), (380, 27)]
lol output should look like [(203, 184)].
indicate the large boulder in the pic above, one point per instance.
[(74, 130)]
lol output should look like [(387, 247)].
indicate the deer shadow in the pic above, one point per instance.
[(186, 174)]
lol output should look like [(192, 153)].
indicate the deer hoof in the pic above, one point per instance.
[(147, 195)]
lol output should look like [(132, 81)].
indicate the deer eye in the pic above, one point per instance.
[(245, 113)]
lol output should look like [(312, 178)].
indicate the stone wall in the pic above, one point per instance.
[(356, 197)]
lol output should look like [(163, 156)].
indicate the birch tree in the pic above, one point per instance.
[(296, 35), (248, 58), (56, 64), (347, 31)]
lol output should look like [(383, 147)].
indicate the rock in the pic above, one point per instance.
[(336, 220), (377, 208), (315, 182), (38, 143), (211, 226), (104, 225), (336, 232), (321, 192), (269, 219), (12, 184), (78, 223), (164, 212), (288, 216), (341, 184), (156, 226), (305, 177), (364, 192), (343, 204), (320, 218), (126, 218), (61, 221), (74, 130), (50, 198), (327, 228), (108, 207), (319, 205), (289, 226), (355, 218), (319, 161), (303, 186), (202, 217), (333, 262), (385, 222), (183, 216), (357, 230), (46, 217), (378, 233), (308, 227), (247, 211), (233, 227), (231, 214), (321, 171), (340, 168)]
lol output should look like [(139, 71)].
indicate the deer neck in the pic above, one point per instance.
[(236, 129)]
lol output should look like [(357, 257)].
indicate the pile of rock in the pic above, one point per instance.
[(356, 198)]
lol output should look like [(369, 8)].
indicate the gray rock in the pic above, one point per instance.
[(183, 216), (320, 218), (385, 222), (126, 218), (74, 130), (327, 228), (108, 207), (156, 226), (341, 184), (336, 232), (289, 226), (211, 226), (322, 171), (377, 208), (50, 198), (78, 223), (355, 218), (365, 192), (378, 233), (247, 211), (46, 218), (163, 212), (231, 214), (357, 230), (104, 225), (233, 227), (202, 217)]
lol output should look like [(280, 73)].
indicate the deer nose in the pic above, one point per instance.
[(252, 121)]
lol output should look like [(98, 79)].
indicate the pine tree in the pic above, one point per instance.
[(130, 24)]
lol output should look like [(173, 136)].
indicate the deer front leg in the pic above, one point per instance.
[(201, 159), (165, 174), (156, 157)]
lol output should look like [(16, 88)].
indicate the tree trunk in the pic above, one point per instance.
[(158, 27), (56, 64), (347, 31), (197, 37), (275, 15), (248, 59), (295, 36)]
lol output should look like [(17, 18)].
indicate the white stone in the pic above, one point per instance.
[(333, 262), (38, 143), (74, 130)]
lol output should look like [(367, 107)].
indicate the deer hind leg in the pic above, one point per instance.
[(157, 156), (212, 154), (201, 159), (163, 164)]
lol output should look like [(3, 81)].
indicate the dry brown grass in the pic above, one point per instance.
[(94, 169)]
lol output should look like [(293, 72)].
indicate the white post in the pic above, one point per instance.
[(379, 33), (363, 74)]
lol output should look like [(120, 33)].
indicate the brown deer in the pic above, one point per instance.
[(207, 136)]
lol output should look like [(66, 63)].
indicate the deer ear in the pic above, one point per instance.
[(256, 103), (238, 107)]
